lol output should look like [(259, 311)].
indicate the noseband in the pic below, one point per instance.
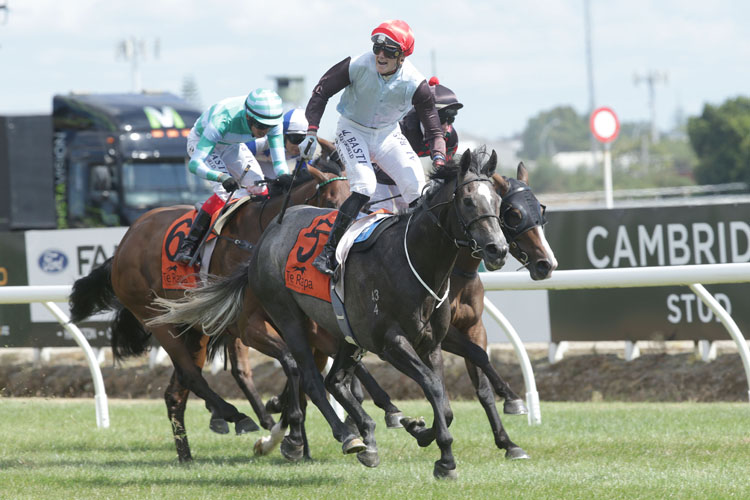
[(322, 184)]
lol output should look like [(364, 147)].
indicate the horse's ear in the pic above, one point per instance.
[(465, 161), (317, 174), (489, 168), (501, 184), (522, 174), (326, 146)]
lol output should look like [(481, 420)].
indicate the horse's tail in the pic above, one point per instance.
[(211, 308), (93, 294)]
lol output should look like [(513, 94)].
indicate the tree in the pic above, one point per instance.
[(559, 129), (720, 137)]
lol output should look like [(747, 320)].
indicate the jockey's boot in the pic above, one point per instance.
[(325, 262), (189, 245)]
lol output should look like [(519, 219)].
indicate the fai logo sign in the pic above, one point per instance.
[(53, 261)]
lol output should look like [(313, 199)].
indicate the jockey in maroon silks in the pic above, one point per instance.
[(380, 88)]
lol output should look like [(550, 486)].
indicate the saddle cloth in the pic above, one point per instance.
[(300, 275), (178, 276)]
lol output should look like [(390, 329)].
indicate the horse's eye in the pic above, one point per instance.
[(512, 217), (468, 202)]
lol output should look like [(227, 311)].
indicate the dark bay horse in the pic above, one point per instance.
[(395, 298), (130, 281)]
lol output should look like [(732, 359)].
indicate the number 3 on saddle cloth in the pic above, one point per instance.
[(301, 276), (178, 276)]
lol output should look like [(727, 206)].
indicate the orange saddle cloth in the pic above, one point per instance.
[(300, 275)]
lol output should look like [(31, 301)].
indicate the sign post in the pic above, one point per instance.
[(605, 127)]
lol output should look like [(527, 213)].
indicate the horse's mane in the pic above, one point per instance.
[(452, 167), (328, 163)]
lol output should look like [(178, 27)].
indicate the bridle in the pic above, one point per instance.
[(322, 184), (531, 216), (470, 242)]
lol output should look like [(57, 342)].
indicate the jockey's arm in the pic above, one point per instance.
[(198, 165), (278, 154), (331, 83), (424, 103), (209, 139)]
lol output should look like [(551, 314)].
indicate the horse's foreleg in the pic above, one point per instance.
[(401, 354), (471, 344), (243, 374), (486, 398), (176, 398), (381, 398)]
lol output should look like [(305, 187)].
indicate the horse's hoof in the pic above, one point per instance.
[(369, 457), (516, 453), (185, 460), (353, 445), (291, 451), (219, 426), (440, 472), (273, 405), (393, 420), (258, 447), (412, 424), (245, 425), (515, 407)]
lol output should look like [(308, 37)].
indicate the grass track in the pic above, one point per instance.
[(52, 449)]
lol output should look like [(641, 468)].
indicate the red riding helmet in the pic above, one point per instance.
[(399, 32)]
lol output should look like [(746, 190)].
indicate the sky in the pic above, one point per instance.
[(507, 61)]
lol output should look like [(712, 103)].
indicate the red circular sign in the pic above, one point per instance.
[(604, 124)]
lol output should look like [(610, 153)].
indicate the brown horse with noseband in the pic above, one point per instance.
[(129, 282)]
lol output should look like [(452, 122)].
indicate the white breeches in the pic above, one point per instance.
[(359, 146)]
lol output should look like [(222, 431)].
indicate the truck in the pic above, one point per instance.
[(99, 160), (71, 182)]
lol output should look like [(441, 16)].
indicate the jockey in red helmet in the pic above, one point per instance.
[(380, 87)]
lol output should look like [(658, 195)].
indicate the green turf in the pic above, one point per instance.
[(52, 449)]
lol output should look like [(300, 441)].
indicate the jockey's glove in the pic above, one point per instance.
[(308, 146), (230, 184), (284, 180)]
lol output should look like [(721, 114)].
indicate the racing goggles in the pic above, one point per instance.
[(389, 51), (295, 139), (447, 115), (255, 123)]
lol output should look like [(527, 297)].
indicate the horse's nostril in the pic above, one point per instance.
[(543, 267), (496, 251)]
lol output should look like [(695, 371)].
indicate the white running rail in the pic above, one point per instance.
[(692, 276), (48, 295)]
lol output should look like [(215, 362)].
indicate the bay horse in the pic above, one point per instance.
[(129, 282), (393, 299)]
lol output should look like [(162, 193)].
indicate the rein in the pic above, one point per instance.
[(471, 242)]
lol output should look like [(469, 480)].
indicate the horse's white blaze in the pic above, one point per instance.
[(547, 249), (485, 191)]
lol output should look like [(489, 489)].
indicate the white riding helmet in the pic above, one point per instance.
[(295, 121)]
